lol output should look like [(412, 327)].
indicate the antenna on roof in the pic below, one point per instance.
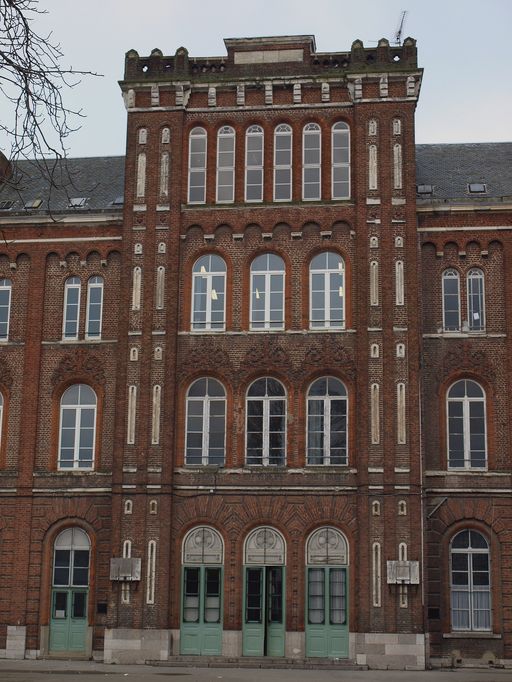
[(398, 33)]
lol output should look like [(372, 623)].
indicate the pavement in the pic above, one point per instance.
[(88, 671)]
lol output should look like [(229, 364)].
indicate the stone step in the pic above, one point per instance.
[(259, 662)]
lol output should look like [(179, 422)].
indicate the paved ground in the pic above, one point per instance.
[(63, 671)]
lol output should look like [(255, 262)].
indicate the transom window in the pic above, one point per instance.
[(311, 162), (327, 280), (283, 163), (267, 292), (327, 422), (266, 422), (197, 166), (71, 308), (254, 164), (470, 582), (476, 304), (94, 307), (340, 161), (206, 423), (451, 300), (226, 165), (208, 297), (77, 427), (467, 447), (71, 559), (5, 308)]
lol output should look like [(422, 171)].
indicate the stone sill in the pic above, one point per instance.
[(470, 635)]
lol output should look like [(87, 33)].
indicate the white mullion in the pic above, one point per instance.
[(206, 429), (76, 445), (208, 310), (467, 433), (268, 288), (266, 426), (327, 298), (327, 431)]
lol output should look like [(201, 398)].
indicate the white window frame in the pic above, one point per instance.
[(254, 132), (266, 400), (205, 272), (342, 130), (6, 285), (283, 129), (267, 323), (226, 134), (72, 283), (327, 402), (78, 409), (471, 590), (466, 400), (328, 323), (197, 133), (312, 130), (449, 273), (475, 274), (206, 401), (95, 282)]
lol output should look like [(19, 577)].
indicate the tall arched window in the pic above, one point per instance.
[(71, 308), (340, 161), (311, 162), (327, 422), (78, 407), (206, 422), (283, 163), (451, 300), (327, 294), (266, 422), (94, 307), (470, 584), (208, 299), (476, 301), (267, 292), (226, 165), (5, 308), (254, 163), (197, 166), (71, 559), (467, 447)]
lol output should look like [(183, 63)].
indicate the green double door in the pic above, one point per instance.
[(201, 619), (264, 612), (68, 623), (327, 633)]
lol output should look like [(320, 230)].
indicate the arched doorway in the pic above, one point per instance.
[(201, 613), (70, 592), (327, 633), (264, 593)]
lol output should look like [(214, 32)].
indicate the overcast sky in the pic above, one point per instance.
[(463, 45)]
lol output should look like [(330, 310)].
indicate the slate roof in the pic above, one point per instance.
[(450, 167), (99, 179)]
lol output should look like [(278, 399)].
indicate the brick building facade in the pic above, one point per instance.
[(253, 375)]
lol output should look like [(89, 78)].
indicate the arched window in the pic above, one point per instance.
[(283, 163), (266, 422), (476, 301), (327, 422), (5, 308), (470, 584), (197, 166), (340, 161), (206, 422), (71, 559), (1, 417), (78, 407), (71, 308), (208, 300), (327, 293), (226, 165), (311, 162), (267, 292), (254, 164), (94, 307), (467, 447), (451, 301)]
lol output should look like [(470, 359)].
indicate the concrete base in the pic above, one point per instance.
[(390, 651), (232, 643), (127, 646), (295, 645), (15, 644)]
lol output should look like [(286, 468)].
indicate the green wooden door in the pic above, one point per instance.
[(68, 623), (327, 612), (264, 627), (201, 618)]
